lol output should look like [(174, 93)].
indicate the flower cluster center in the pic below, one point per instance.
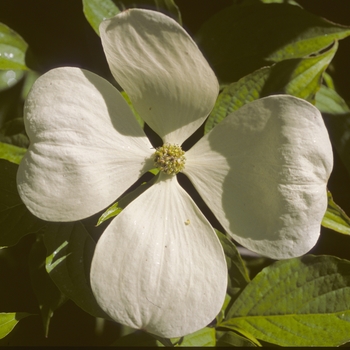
[(169, 158)]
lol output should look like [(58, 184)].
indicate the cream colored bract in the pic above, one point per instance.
[(159, 265)]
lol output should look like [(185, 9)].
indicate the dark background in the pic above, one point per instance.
[(59, 35)]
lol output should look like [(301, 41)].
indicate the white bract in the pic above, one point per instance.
[(159, 265)]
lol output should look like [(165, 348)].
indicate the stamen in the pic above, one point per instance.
[(169, 158)]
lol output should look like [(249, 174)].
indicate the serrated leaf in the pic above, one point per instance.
[(11, 153), (297, 302), (335, 218), (69, 254), (49, 296), (337, 117), (15, 219), (9, 320), (12, 49), (299, 77), (96, 11), (241, 39)]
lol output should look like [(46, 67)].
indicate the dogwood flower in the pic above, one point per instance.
[(159, 265)]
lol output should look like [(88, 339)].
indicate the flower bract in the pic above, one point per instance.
[(159, 265)]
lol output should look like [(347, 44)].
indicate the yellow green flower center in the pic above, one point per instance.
[(169, 158)]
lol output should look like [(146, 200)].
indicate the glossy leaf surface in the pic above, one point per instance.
[(298, 302), (9, 320), (298, 77), (234, 46), (96, 11), (12, 49)]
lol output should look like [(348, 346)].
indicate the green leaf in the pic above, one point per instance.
[(117, 207), (328, 101), (8, 321), (15, 219), (12, 49), (137, 116), (19, 140), (237, 274), (241, 39), (298, 77), (335, 217), (29, 79), (49, 296), (13, 131), (167, 7), (112, 211), (297, 302), (96, 11), (9, 78), (229, 339), (69, 254), (204, 337), (170, 8), (337, 117), (11, 153)]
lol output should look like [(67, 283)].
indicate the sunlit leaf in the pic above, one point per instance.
[(112, 211), (203, 337), (298, 77), (69, 254), (11, 153), (96, 11), (9, 320), (297, 302), (335, 218), (117, 207), (48, 295), (240, 39), (12, 49), (15, 219)]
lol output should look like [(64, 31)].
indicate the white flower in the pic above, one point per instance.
[(263, 172)]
